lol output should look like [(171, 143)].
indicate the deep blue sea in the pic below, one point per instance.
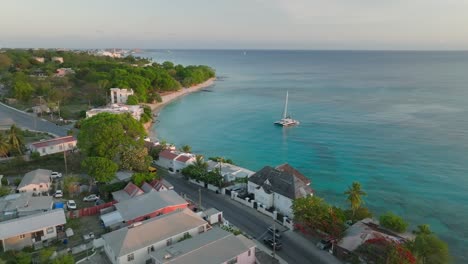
[(397, 122)]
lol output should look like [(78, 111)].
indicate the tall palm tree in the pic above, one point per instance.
[(355, 194), (200, 162), (4, 146), (186, 148), (15, 139)]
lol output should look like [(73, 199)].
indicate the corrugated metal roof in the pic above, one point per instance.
[(35, 177), (27, 224)]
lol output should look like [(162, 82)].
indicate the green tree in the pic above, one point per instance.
[(393, 222), (355, 194), (101, 169), (4, 145), (4, 190), (135, 159), (186, 148), (423, 230), (359, 214), (132, 100), (45, 254), (429, 249), (108, 135), (15, 138), (23, 258), (140, 177), (22, 90), (5, 61)]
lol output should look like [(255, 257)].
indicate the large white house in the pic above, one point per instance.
[(135, 243), (52, 146), (16, 234), (120, 96), (174, 160), (278, 187), (36, 181), (213, 247)]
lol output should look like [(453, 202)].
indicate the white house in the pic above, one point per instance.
[(134, 244), (175, 161), (134, 110), (52, 146), (36, 181), (278, 187), (228, 171), (31, 230), (216, 246), (120, 96)]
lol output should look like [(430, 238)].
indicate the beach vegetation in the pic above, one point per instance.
[(428, 248), (393, 222), (186, 149), (355, 194), (90, 78), (221, 159)]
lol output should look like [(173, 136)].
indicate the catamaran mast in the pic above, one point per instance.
[(285, 112)]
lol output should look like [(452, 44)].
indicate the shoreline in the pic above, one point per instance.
[(170, 97)]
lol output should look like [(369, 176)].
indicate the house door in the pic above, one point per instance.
[(255, 205)]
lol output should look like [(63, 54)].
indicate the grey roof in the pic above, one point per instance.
[(211, 211), (148, 203), (27, 224), (35, 177), (129, 239), (25, 202), (213, 247), (281, 182)]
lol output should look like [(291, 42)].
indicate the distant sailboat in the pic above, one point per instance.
[(286, 120)]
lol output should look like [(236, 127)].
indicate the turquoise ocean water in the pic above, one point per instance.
[(395, 121)]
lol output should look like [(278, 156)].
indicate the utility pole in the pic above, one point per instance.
[(65, 160), (199, 198), (58, 106)]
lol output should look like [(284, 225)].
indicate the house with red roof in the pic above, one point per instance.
[(175, 161), (130, 191), (52, 146)]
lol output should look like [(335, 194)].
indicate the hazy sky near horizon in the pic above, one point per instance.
[(242, 24)]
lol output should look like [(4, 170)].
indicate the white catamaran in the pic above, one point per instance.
[(286, 120)]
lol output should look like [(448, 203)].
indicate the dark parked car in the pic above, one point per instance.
[(276, 244), (274, 231), (325, 244)]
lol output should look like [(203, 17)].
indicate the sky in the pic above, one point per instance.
[(236, 24)]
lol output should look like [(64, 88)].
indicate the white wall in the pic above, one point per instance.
[(163, 162), (264, 198), (283, 205), (54, 149), (30, 188), (244, 258)]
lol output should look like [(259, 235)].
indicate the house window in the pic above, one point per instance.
[(22, 236), (248, 253), (34, 189), (60, 147), (51, 147), (201, 229), (150, 249), (43, 150), (50, 230), (130, 257), (169, 242), (232, 261), (70, 145)]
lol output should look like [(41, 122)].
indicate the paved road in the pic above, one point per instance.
[(27, 121), (296, 248)]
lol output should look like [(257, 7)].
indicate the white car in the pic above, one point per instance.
[(58, 194), (91, 198), (71, 205), (56, 175)]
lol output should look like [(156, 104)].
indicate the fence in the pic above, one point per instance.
[(88, 211)]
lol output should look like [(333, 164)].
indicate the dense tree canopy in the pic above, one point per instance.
[(109, 136), (393, 222), (101, 169)]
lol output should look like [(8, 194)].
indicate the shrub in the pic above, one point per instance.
[(5, 181), (393, 222), (141, 177), (132, 100), (35, 155)]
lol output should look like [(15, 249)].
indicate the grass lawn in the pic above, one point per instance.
[(54, 162)]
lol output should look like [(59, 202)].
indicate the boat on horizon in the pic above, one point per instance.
[(287, 120)]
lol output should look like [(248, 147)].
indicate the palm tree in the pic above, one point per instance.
[(4, 146), (15, 139), (200, 162), (186, 148), (355, 194), (423, 230)]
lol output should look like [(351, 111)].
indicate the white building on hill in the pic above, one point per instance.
[(120, 96)]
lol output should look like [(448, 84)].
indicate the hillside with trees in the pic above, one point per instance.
[(31, 81)]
